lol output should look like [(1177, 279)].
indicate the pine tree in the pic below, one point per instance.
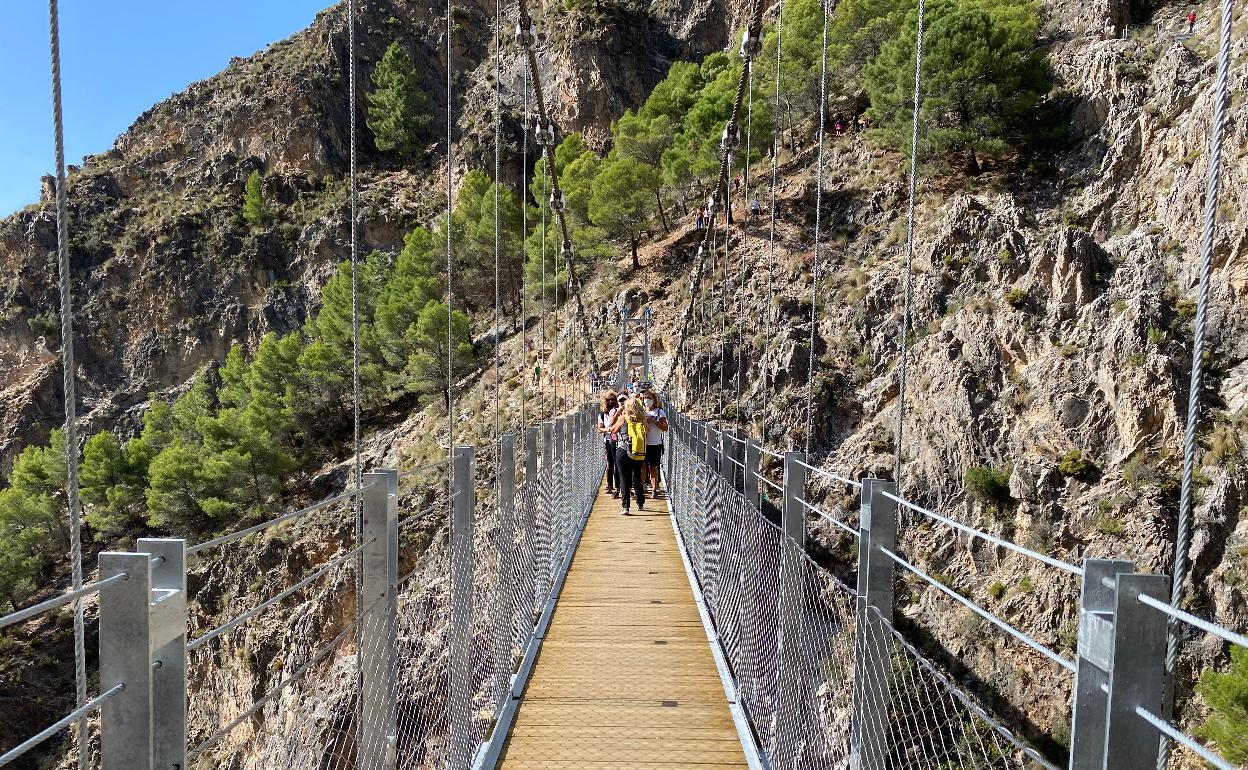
[(397, 110), (644, 140), (114, 483), (255, 208), (621, 201), (983, 77), (428, 365)]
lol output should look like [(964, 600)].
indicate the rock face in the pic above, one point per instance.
[(167, 275)]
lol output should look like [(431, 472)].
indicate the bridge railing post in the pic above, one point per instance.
[(505, 578), (877, 530), (753, 462), (463, 508), (1137, 671), (168, 628), (545, 545), (378, 626), (126, 643), (793, 545), (1120, 666), (528, 529), (1092, 663)]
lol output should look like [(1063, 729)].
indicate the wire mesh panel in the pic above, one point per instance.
[(825, 682), (422, 668), (276, 682)]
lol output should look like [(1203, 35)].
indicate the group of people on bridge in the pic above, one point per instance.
[(632, 428)]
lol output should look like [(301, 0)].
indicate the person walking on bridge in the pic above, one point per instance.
[(630, 453), (656, 426), (608, 409)]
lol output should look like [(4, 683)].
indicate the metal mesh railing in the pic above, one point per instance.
[(824, 681)]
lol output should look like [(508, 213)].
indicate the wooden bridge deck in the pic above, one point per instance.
[(625, 678)]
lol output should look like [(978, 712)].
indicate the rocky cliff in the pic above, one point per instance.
[(168, 275)]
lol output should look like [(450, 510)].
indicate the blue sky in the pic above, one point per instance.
[(119, 57)]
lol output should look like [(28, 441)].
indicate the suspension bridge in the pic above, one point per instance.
[(522, 622)]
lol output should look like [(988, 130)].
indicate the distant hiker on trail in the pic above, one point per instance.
[(630, 453), (1191, 20), (756, 208), (736, 183), (608, 411), (699, 215), (537, 374)]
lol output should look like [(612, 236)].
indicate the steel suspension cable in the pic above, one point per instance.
[(524, 273), (771, 235), (721, 276), (814, 283), (549, 150), (905, 312), (741, 278), (543, 358), (498, 301), (450, 267), (752, 28), (357, 468), (1183, 525), (65, 278)]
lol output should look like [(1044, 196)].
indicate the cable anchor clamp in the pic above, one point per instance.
[(545, 135), (526, 33), (751, 45)]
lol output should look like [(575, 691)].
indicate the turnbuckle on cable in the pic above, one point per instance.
[(557, 201), (731, 138)]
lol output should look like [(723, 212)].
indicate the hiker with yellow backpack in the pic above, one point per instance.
[(630, 453)]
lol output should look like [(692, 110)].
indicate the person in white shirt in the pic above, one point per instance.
[(656, 426)]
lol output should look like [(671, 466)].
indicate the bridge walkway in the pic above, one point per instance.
[(625, 677)]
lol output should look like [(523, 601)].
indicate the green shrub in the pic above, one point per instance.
[(988, 485), (1109, 524), (996, 590), (1227, 696), (1074, 465), (1016, 297), (45, 325), (397, 107)]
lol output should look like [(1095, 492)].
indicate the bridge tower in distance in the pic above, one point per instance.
[(634, 345)]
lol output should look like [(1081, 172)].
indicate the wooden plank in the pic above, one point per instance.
[(625, 679)]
